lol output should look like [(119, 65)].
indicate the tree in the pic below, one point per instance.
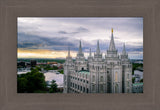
[(39, 68), (36, 81), (133, 79), (31, 82), (48, 67), (55, 67), (61, 71), (136, 66), (53, 88), (22, 85), (141, 80)]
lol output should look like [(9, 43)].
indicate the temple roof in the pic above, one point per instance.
[(137, 84), (84, 72)]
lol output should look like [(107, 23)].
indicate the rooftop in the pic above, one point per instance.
[(84, 72), (137, 84)]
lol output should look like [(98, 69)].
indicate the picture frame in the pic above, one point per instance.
[(10, 10)]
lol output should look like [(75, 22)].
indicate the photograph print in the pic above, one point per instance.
[(80, 55)]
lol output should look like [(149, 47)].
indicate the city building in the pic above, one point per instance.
[(21, 64), (112, 74), (137, 88), (52, 63), (33, 63)]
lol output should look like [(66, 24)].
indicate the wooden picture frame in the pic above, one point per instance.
[(11, 9)]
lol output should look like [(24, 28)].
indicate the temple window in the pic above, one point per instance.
[(101, 88), (93, 87), (93, 78), (101, 78), (116, 77)]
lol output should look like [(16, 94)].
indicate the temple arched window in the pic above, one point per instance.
[(83, 89), (93, 78), (87, 90), (101, 88), (128, 90), (93, 87), (116, 77), (128, 76), (116, 88), (101, 79)]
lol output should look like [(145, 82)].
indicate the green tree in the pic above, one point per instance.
[(53, 88), (55, 67), (136, 66), (133, 79), (22, 85), (31, 82), (141, 80), (38, 67), (48, 67), (61, 71)]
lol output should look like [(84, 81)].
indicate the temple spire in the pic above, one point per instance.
[(80, 48), (124, 50), (68, 51), (80, 53), (98, 49), (112, 45), (90, 54)]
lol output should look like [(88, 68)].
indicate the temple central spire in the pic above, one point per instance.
[(112, 45), (98, 49), (68, 51), (80, 48)]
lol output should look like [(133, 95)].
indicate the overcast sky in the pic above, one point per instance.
[(50, 37)]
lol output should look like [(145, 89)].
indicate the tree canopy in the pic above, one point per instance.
[(31, 82), (53, 87)]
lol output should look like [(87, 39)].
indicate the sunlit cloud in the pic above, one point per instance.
[(38, 53)]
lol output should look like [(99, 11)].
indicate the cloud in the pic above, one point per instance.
[(62, 32), (59, 33), (82, 29)]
